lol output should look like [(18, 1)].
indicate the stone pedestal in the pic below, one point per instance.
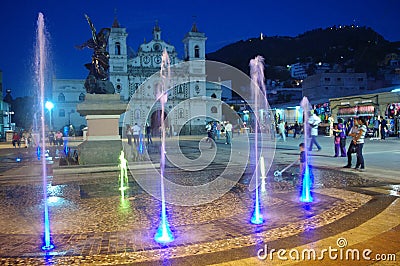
[(103, 143)]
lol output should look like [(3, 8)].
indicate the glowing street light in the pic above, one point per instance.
[(49, 105)]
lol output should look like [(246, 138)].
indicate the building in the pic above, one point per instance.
[(130, 72), (320, 87), (298, 70), (66, 94)]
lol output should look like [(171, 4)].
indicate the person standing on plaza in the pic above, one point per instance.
[(352, 147), (342, 135), (296, 129), (282, 130), (359, 140), (383, 128), (314, 121), (59, 138), (218, 130), (136, 133), (148, 134), (336, 139), (129, 134), (16, 140), (228, 132), (376, 127)]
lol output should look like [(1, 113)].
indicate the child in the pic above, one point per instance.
[(336, 139)]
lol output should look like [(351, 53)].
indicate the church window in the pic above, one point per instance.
[(214, 110), (81, 97), (181, 113), (61, 113), (117, 48), (118, 88), (197, 51), (61, 97), (132, 89), (137, 114), (180, 89), (213, 96)]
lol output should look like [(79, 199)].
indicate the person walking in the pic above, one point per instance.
[(342, 135), (314, 121), (228, 132), (359, 139)]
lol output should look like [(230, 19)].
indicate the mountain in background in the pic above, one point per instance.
[(359, 48)]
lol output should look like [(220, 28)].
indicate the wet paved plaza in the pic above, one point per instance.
[(92, 225)]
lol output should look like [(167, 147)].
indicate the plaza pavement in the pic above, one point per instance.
[(365, 215)]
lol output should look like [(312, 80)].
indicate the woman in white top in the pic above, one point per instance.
[(359, 139)]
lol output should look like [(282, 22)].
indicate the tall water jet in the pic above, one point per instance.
[(40, 64), (306, 175), (163, 234), (123, 174), (257, 83)]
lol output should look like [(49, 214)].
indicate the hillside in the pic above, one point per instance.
[(360, 48)]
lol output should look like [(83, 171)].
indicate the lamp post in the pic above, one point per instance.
[(49, 105)]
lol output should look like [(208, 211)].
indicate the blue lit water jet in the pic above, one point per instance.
[(163, 234), (306, 176), (41, 61), (257, 82)]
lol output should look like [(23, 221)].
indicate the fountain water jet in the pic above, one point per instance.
[(163, 234), (306, 176), (40, 63), (123, 174), (257, 82)]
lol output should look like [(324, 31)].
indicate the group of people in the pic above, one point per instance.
[(55, 138), (22, 137), (216, 129), (135, 133)]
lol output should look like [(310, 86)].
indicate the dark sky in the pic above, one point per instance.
[(223, 22)]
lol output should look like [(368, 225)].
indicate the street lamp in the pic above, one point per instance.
[(49, 105)]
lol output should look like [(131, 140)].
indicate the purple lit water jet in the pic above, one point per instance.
[(41, 63), (163, 234), (257, 83)]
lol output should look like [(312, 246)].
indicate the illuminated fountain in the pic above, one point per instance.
[(123, 174), (257, 83), (40, 64), (163, 234), (306, 176)]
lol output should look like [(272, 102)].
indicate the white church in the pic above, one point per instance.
[(192, 101)]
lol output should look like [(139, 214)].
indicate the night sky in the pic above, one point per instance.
[(224, 22)]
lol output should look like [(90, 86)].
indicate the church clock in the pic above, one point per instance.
[(157, 59)]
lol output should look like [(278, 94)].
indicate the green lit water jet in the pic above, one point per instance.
[(123, 174)]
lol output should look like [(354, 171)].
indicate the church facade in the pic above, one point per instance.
[(192, 101)]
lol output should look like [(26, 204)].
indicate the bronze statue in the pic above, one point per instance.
[(97, 81)]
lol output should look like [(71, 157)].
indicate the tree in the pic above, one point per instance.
[(24, 109)]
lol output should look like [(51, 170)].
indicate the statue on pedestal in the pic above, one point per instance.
[(97, 81)]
